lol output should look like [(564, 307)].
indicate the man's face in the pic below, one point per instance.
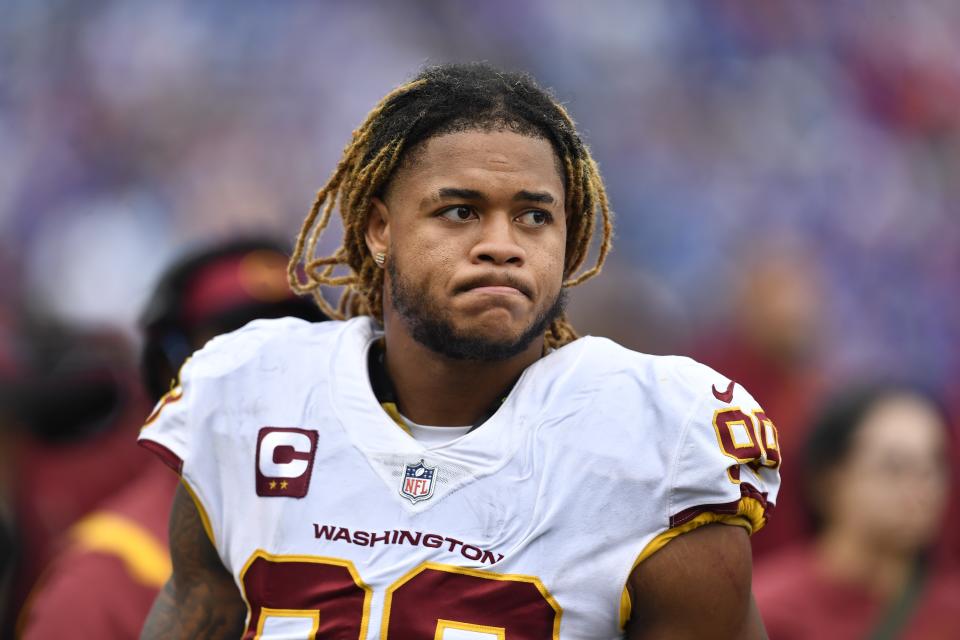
[(474, 227)]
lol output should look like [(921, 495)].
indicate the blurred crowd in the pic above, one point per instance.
[(783, 175)]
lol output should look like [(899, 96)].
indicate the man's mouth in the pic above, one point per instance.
[(496, 286), (497, 290)]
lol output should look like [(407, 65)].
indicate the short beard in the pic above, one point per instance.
[(430, 325)]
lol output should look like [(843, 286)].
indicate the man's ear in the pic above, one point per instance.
[(378, 227)]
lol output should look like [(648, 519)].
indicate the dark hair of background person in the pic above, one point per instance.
[(72, 381), (171, 328), (833, 431)]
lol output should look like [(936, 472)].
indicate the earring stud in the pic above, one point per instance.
[(380, 257)]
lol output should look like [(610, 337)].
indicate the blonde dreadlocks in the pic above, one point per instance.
[(439, 100)]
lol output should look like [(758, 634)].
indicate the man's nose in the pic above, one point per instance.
[(498, 242)]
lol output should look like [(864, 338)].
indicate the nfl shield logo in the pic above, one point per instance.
[(417, 482)]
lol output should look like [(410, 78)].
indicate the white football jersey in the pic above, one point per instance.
[(337, 524)]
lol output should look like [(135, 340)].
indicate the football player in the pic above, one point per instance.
[(449, 461)]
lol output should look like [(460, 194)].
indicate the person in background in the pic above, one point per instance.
[(8, 537), (73, 405), (772, 344), (104, 582), (876, 474)]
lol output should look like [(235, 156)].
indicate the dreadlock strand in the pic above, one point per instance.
[(355, 240), (308, 250), (578, 242), (358, 202), (574, 191), (318, 276), (327, 196), (306, 239), (341, 281), (347, 302), (348, 172), (325, 306), (606, 240), (559, 333), (293, 275), (455, 97), (373, 276), (360, 180)]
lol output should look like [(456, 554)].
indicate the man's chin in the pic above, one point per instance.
[(473, 328), (490, 327), (474, 349), (472, 342)]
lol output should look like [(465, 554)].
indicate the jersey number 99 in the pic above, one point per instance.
[(749, 439), (324, 598)]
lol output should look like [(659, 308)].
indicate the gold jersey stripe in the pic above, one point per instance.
[(749, 516), (204, 518), (173, 395), (145, 557)]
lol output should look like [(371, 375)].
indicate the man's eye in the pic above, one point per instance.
[(534, 218), (458, 214)]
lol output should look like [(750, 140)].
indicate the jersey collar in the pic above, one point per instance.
[(386, 393), (354, 396)]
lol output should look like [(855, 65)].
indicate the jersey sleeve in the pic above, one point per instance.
[(725, 465), (166, 431), (178, 432), (728, 458), (206, 427), (180, 428)]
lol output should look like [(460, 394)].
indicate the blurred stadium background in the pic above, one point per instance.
[(733, 135), (784, 174)]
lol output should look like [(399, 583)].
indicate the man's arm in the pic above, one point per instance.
[(200, 600), (696, 586)]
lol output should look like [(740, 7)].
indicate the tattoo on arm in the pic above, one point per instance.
[(200, 600)]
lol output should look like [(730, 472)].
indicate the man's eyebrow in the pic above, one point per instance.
[(534, 196), (454, 192)]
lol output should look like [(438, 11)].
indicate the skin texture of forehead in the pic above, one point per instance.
[(496, 163), (414, 157)]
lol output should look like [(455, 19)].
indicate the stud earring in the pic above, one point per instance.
[(380, 258)]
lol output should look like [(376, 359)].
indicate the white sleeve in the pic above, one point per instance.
[(166, 431), (177, 432), (727, 463), (198, 427), (180, 428), (719, 455)]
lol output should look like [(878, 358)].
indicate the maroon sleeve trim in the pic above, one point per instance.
[(166, 456), (725, 508)]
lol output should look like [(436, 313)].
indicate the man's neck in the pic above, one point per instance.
[(433, 389)]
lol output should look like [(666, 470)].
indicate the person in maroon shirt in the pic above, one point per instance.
[(876, 475), (8, 541), (772, 343), (74, 405), (104, 582)]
